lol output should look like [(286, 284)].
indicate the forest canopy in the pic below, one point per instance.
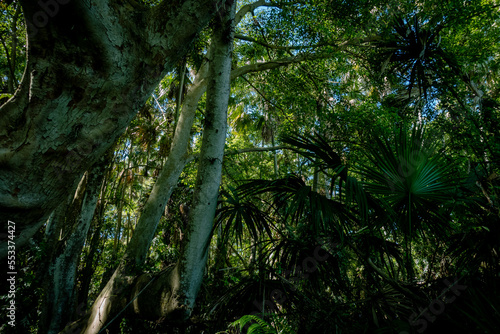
[(250, 166)]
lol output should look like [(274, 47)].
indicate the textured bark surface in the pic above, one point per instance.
[(149, 306), (172, 294), (90, 66), (61, 277), (169, 174), (194, 255)]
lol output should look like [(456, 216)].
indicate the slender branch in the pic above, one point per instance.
[(279, 47), (7, 55), (261, 94), (392, 282), (272, 64), (258, 149), (243, 150), (249, 8), (181, 85), (239, 256)]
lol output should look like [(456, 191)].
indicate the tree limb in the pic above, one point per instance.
[(258, 149), (244, 150), (250, 8), (279, 47)]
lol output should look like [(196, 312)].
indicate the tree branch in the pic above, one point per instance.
[(261, 94), (79, 94), (279, 47), (243, 150), (250, 8), (258, 149), (272, 64)]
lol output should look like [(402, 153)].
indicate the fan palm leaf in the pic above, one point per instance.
[(237, 214), (298, 204), (411, 181)]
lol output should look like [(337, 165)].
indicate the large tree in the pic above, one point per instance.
[(90, 66)]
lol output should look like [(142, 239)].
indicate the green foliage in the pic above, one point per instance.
[(12, 46), (411, 180), (237, 213), (482, 309), (350, 224), (257, 325)]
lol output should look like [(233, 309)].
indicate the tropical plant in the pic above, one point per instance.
[(257, 325)]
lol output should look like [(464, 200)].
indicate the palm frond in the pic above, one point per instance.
[(257, 325), (296, 203), (237, 214), (412, 181), (317, 150)]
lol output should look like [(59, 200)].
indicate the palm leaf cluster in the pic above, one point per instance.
[(413, 52), (366, 239), (412, 183)]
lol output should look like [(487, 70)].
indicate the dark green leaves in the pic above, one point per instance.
[(237, 213), (411, 180)]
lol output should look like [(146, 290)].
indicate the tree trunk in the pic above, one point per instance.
[(121, 282), (60, 283), (12, 60), (90, 67), (192, 262), (176, 289), (167, 179), (85, 275), (113, 297)]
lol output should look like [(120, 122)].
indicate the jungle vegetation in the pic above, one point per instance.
[(317, 166)]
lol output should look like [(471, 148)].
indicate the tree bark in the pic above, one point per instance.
[(60, 283), (123, 285), (167, 179), (139, 244), (192, 262), (90, 67), (122, 280)]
